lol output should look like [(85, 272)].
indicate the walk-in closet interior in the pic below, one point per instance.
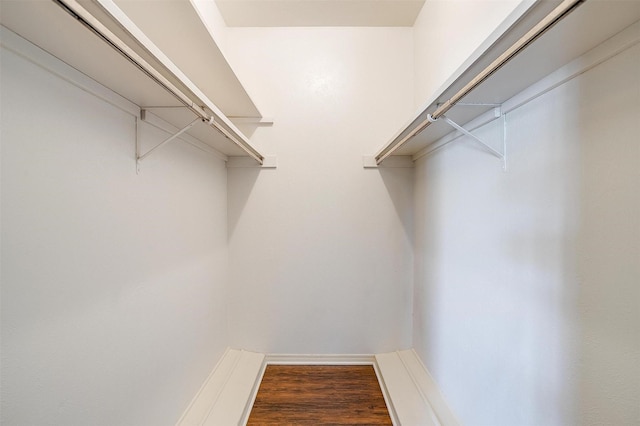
[(447, 190)]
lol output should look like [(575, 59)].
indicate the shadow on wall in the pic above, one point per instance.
[(401, 194), (243, 180), (608, 243), (526, 296)]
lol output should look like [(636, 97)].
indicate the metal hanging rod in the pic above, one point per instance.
[(560, 12), (191, 100)]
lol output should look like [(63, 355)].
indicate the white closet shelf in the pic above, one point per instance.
[(179, 30), (590, 24), (168, 89)]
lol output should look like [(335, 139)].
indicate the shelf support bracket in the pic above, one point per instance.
[(140, 157), (501, 155)]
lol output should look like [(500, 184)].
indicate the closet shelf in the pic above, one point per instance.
[(106, 44), (590, 24)]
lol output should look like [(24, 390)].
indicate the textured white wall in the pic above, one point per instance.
[(527, 296), (446, 32), (320, 249), (113, 284)]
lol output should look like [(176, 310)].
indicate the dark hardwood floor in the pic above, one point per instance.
[(314, 395)]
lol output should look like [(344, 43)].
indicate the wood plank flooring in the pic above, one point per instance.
[(319, 394)]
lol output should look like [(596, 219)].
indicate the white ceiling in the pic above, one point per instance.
[(320, 13)]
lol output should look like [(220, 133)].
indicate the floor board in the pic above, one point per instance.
[(314, 394)]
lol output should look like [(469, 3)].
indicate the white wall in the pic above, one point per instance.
[(113, 284), (320, 249), (446, 32), (527, 296)]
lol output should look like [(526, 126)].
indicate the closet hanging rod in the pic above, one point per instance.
[(560, 12), (192, 102)]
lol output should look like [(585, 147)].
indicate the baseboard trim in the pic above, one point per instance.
[(254, 392), (428, 388), (320, 359), (385, 394), (201, 390), (414, 395), (224, 397)]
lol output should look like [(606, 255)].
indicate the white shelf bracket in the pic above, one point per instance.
[(139, 156), (500, 155)]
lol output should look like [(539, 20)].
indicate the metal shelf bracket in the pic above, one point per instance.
[(139, 156), (498, 112)]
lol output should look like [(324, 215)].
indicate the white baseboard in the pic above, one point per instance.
[(414, 395), (429, 388), (225, 396), (253, 395), (385, 394), (319, 359)]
